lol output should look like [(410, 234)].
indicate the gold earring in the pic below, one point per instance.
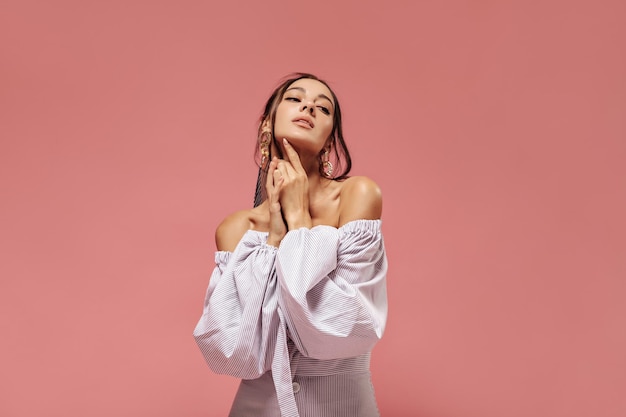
[(265, 148), (326, 165)]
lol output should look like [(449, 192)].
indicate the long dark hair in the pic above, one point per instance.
[(342, 161)]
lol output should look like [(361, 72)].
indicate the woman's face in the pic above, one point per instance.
[(305, 116)]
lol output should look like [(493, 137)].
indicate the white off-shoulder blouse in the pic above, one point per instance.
[(297, 323)]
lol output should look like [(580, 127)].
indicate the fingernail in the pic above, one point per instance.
[(285, 141)]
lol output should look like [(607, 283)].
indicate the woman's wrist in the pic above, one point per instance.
[(274, 240), (300, 220)]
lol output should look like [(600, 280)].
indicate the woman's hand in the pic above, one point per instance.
[(273, 184), (294, 193)]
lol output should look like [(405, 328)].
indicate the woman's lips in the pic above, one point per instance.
[(304, 123)]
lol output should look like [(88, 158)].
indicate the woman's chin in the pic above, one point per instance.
[(304, 145)]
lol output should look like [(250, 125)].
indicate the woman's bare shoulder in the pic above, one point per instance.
[(361, 198), (233, 227), (231, 230)]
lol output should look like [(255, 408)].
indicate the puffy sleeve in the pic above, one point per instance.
[(239, 321), (332, 288)]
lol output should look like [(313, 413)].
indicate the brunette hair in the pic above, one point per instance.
[(342, 160)]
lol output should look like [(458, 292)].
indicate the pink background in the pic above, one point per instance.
[(496, 130)]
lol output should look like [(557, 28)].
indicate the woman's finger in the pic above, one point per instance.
[(283, 167), (277, 176), (292, 156), (269, 181)]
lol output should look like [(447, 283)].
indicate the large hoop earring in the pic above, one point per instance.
[(260, 193), (325, 165), (265, 148)]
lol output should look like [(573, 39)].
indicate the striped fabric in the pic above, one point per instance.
[(297, 323)]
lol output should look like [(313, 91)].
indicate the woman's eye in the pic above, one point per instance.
[(324, 109), (296, 99)]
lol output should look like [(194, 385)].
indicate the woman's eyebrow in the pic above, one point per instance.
[(304, 91)]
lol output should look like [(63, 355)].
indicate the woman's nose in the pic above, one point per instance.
[(308, 107)]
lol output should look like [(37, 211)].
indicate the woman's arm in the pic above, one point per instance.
[(240, 319), (332, 282)]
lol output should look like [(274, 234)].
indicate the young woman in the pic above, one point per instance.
[(298, 299)]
